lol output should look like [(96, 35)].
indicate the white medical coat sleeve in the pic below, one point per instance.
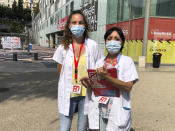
[(98, 53), (59, 54), (130, 72)]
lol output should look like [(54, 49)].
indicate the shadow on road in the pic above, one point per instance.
[(28, 85)]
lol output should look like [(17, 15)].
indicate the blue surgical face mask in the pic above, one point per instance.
[(77, 30), (113, 46)]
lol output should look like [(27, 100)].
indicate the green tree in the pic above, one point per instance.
[(1, 11), (14, 10), (20, 9), (6, 11), (16, 27), (27, 15), (9, 13)]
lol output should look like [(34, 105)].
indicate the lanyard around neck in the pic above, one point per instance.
[(77, 61), (114, 63)]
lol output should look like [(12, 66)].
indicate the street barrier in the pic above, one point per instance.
[(35, 56), (15, 56)]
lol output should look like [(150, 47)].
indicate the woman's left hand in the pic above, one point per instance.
[(86, 82)]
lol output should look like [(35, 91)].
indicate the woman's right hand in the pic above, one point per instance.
[(102, 71)]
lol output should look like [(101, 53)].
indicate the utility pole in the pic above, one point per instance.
[(143, 58), (28, 39)]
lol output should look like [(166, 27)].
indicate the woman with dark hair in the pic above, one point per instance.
[(74, 56), (113, 114)]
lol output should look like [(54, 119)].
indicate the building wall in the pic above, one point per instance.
[(161, 35), (54, 16), (6, 2)]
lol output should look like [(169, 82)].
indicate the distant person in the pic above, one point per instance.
[(74, 56), (115, 114)]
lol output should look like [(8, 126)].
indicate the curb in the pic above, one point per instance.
[(27, 59)]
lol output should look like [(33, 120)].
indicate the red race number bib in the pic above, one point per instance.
[(76, 89), (103, 100)]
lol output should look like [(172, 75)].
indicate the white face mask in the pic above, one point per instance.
[(77, 30), (113, 46)]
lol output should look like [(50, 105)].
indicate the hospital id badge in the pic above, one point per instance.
[(76, 89), (103, 99)]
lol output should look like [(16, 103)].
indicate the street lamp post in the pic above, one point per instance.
[(28, 39), (143, 59)]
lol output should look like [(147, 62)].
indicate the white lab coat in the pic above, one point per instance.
[(120, 115), (66, 57)]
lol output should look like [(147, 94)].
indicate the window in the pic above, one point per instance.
[(51, 20), (112, 11), (67, 10), (71, 6), (57, 17), (137, 7), (121, 10), (61, 16), (56, 5), (165, 8), (51, 2)]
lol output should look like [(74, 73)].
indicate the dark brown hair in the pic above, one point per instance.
[(67, 38)]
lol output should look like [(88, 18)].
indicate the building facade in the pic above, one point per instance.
[(54, 14), (7, 3), (26, 3), (30, 4), (129, 15)]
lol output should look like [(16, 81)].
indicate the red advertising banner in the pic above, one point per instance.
[(162, 29), (133, 29), (159, 28), (101, 87), (61, 23)]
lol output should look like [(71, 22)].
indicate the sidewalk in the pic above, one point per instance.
[(44, 53), (30, 104)]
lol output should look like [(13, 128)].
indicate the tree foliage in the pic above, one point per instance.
[(27, 15), (17, 12), (5, 12), (16, 17), (14, 9), (16, 27), (20, 9)]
